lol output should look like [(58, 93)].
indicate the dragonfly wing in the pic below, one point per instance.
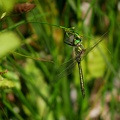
[(66, 68), (87, 51), (81, 79)]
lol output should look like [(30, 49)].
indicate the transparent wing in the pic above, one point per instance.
[(66, 68), (88, 50)]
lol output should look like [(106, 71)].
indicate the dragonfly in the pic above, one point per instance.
[(75, 40)]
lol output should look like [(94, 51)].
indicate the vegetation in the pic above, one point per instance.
[(33, 53)]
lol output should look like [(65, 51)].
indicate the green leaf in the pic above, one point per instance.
[(4, 83), (72, 4), (3, 15), (8, 41), (6, 5)]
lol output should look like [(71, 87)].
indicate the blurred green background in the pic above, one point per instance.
[(33, 52)]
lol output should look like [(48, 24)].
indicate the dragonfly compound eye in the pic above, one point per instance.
[(76, 41)]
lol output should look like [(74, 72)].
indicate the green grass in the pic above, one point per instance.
[(31, 90)]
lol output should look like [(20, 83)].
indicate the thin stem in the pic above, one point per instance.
[(24, 22)]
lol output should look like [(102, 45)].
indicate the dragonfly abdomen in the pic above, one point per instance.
[(81, 79)]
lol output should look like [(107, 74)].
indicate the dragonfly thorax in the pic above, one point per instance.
[(79, 50)]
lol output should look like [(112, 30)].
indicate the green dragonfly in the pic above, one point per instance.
[(74, 40)]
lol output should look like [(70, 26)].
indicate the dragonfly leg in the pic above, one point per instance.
[(81, 79), (69, 43)]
